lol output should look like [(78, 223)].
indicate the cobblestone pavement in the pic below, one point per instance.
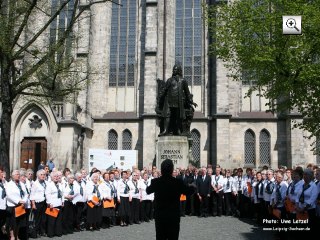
[(191, 228)]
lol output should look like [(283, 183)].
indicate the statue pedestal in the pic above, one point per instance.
[(175, 148)]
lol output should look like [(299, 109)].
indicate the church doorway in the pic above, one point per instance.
[(33, 151)]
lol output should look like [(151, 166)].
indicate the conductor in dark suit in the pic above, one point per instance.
[(167, 191)]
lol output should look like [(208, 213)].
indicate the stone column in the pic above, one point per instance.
[(223, 139), (301, 152), (100, 30), (150, 83)]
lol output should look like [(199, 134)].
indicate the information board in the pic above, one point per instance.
[(105, 160)]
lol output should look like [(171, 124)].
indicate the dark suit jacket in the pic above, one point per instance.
[(183, 178), (167, 191), (204, 187)]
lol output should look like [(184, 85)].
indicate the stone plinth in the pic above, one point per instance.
[(175, 148)]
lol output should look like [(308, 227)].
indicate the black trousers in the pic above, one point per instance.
[(204, 205), (247, 207), (146, 211), (55, 225), (124, 210), (15, 223), (135, 210), (183, 208), (23, 231), (67, 217), (227, 203), (79, 214), (3, 217), (40, 217), (167, 228), (94, 216), (194, 205), (239, 204), (217, 203)]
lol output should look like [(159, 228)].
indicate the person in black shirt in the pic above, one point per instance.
[(167, 191)]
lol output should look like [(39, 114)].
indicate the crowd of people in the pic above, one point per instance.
[(55, 203)]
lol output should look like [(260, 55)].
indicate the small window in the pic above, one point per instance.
[(126, 140), (112, 140), (249, 148), (264, 143), (195, 135)]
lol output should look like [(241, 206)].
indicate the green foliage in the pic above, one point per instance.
[(32, 64), (247, 37)]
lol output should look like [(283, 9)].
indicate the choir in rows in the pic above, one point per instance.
[(57, 203)]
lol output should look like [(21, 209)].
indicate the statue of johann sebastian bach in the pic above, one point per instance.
[(173, 100)]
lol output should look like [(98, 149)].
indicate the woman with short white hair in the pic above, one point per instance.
[(55, 201), (38, 202), (94, 212), (16, 197), (29, 177), (68, 209)]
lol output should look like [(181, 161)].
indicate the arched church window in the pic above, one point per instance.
[(249, 147), (112, 140), (264, 142), (195, 135), (126, 140)]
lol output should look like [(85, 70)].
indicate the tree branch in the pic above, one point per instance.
[(27, 85), (61, 93), (24, 23), (36, 36)]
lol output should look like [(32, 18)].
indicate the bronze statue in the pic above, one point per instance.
[(173, 102)]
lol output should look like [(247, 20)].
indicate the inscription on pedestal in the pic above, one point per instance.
[(174, 155), (174, 148)]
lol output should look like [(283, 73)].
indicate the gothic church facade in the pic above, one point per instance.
[(126, 49)]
